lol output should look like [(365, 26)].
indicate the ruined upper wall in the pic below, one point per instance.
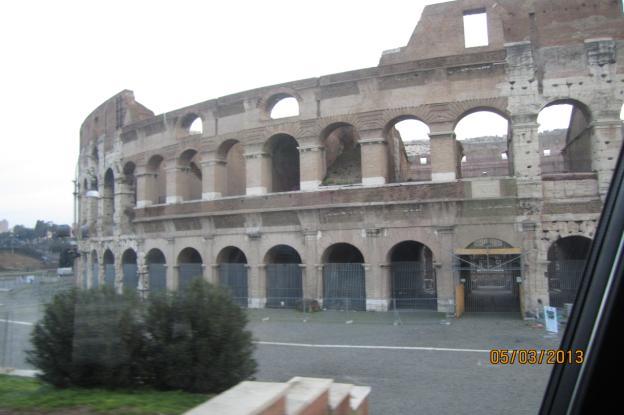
[(440, 31), (116, 112)]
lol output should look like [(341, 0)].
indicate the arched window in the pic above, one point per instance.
[(190, 181), (284, 281), (233, 274), (564, 137), (108, 203), (233, 182), (566, 262), (282, 106), (192, 124), (413, 283), (343, 158), (284, 153), (483, 135), (156, 183), (344, 285), (190, 265), (130, 270), (156, 269), (409, 150)]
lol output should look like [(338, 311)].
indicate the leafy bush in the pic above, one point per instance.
[(194, 340), (197, 340)]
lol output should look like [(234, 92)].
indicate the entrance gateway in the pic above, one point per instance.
[(491, 272)]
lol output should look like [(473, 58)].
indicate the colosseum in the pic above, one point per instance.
[(331, 204)]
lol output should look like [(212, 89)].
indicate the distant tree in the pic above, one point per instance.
[(23, 233)]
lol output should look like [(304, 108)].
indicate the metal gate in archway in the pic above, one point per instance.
[(413, 286), (130, 276), (564, 278), (109, 275), (284, 285), (344, 286), (491, 278), (95, 275), (233, 276), (189, 271), (157, 277)]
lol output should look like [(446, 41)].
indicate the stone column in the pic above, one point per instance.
[(118, 284), (606, 139), (214, 172), (124, 206), (534, 286), (525, 155), (258, 170), (172, 268), (444, 273), (174, 191), (311, 166), (143, 180), (257, 285), (375, 160), (313, 272), (445, 153), (376, 292)]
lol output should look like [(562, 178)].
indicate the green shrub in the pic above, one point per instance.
[(197, 340), (89, 338), (194, 340)]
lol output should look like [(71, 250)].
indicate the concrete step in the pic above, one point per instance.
[(359, 400), (340, 399), (247, 398), (308, 396)]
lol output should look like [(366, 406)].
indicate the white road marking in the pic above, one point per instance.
[(22, 323), (351, 346)]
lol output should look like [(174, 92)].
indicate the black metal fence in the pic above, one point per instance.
[(413, 286), (130, 276), (344, 286), (564, 278), (233, 276), (95, 276), (187, 272), (157, 277), (284, 285), (492, 290), (109, 275)]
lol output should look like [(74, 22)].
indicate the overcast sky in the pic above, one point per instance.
[(61, 59)]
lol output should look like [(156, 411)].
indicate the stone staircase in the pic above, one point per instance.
[(298, 396)]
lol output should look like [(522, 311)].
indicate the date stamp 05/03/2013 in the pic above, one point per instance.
[(536, 357)]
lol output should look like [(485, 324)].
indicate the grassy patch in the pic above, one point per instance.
[(17, 393)]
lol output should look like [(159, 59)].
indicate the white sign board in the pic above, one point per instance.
[(550, 319)]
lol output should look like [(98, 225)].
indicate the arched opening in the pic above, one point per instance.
[(483, 135), (284, 281), (233, 182), (95, 270), (156, 181), (564, 137), (157, 270), (412, 280), (409, 150), (190, 179), (490, 270), (108, 203), (343, 157), (192, 124), (190, 267), (232, 264), (343, 278), (282, 106), (566, 262), (130, 270), (109, 268), (130, 182), (284, 151)]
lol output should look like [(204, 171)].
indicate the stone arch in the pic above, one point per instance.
[(274, 97), (190, 175), (566, 261), (412, 276), (231, 154), (108, 202), (109, 268), (156, 180), (156, 263), (344, 283), (232, 268), (487, 153), (284, 152), (409, 150), (284, 282), (569, 148), (343, 155), (190, 266), (190, 124), (130, 269)]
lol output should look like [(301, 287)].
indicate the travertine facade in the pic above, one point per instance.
[(338, 173)]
